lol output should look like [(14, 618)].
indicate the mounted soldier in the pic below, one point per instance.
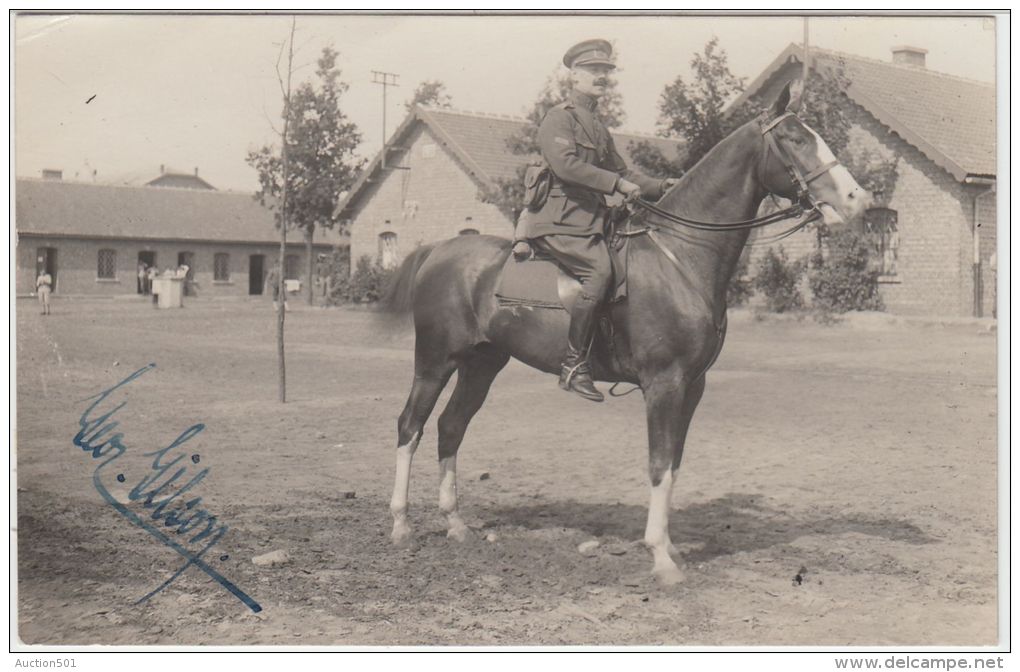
[(584, 168), (667, 333)]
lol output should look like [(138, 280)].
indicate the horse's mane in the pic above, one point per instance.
[(697, 173)]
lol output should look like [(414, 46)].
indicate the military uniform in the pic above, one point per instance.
[(569, 226), (586, 167)]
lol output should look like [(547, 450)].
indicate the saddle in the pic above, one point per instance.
[(539, 281)]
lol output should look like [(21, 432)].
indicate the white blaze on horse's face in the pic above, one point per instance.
[(837, 188)]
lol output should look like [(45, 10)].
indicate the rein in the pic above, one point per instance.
[(806, 203), (757, 222)]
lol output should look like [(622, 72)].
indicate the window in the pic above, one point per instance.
[(290, 267), (468, 232), (880, 227), (221, 267), (388, 249), (106, 268), (410, 210)]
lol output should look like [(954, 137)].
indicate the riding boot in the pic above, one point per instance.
[(576, 373)]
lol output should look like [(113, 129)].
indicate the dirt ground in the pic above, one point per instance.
[(838, 488)]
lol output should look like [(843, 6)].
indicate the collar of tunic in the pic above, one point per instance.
[(584, 100)]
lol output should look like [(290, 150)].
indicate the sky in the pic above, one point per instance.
[(122, 95)]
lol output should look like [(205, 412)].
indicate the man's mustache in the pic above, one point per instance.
[(601, 82)]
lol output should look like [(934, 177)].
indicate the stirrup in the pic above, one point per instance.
[(571, 380), (571, 372)]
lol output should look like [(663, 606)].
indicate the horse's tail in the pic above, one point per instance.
[(398, 299)]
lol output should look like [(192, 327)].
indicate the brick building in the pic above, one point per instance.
[(437, 163), (935, 233), (91, 237)]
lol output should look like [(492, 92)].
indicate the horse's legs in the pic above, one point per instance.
[(474, 376), (671, 403), (429, 381)]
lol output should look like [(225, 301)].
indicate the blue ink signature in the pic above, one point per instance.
[(97, 436)]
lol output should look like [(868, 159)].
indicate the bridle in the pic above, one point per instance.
[(806, 207), (801, 182)]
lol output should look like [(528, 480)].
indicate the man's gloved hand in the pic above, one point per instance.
[(669, 183), (629, 190)]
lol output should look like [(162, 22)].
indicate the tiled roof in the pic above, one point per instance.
[(479, 141), (950, 119), (54, 207)]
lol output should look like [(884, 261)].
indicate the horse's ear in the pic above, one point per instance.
[(779, 107), (796, 95)]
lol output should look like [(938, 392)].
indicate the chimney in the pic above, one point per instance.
[(51, 174), (162, 169), (905, 55), (196, 171)]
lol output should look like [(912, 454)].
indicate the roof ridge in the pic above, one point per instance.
[(507, 117), (125, 185), (473, 113), (897, 66)]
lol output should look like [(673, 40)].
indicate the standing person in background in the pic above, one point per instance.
[(143, 276), (43, 286), (153, 276), (182, 273)]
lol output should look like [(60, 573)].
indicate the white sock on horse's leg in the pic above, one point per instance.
[(456, 529), (401, 485), (657, 530)]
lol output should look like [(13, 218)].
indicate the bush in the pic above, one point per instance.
[(369, 281), (777, 279), (338, 275), (741, 287), (844, 279)]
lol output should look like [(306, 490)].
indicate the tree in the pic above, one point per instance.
[(825, 107), (694, 111), (319, 144), (282, 216), (431, 93), (508, 193), (653, 162)]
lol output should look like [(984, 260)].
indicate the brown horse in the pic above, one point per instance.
[(667, 332)]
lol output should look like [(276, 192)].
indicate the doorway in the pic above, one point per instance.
[(256, 263), (46, 260)]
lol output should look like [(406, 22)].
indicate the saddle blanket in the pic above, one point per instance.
[(540, 282)]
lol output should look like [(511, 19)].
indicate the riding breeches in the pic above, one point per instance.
[(586, 257)]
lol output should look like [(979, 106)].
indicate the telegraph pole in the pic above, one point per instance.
[(804, 74), (387, 79)]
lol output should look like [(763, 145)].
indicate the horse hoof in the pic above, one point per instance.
[(670, 576), (458, 534), (401, 537)]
